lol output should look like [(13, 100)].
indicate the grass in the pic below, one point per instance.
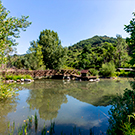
[(16, 77)]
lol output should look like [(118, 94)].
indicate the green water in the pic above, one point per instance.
[(72, 105)]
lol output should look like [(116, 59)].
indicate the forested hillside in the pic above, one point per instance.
[(95, 51), (48, 53), (94, 41)]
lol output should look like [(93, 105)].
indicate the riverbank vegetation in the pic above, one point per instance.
[(122, 112), (16, 77)]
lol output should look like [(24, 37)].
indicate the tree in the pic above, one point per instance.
[(131, 40), (53, 53), (35, 56), (9, 30), (121, 54)]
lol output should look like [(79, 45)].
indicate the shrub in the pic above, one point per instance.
[(15, 77), (94, 72), (28, 77), (108, 69), (122, 108)]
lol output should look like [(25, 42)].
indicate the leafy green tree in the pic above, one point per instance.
[(9, 30), (121, 54), (35, 56), (131, 40), (108, 52), (108, 69), (54, 55)]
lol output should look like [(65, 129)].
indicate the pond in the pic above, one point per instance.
[(74, 106)]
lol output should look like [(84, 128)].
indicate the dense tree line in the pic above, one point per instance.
[(48, 53), (97, 51)]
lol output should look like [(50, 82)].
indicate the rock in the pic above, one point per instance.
[(68, 77), (18, 80), (27, 80), (11, 81), (22, 80), (91, 80), (73, 78), (7, 81), (97, 79)]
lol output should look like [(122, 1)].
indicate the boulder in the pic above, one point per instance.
[(22, 80), (27, 80), (18, 80)]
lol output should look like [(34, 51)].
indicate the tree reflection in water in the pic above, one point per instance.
[(6, 106), (47, 96)]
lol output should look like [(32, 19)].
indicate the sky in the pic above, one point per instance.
[(73, 20)]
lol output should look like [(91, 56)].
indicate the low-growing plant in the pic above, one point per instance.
[(125, 73), (78, 72), (15, 77), (28, 77), (122, 108)]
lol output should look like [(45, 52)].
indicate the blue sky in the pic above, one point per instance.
[(73, 20)]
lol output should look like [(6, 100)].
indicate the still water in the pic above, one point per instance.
[(74, 106)]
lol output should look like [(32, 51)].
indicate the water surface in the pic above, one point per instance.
[(74, 106)]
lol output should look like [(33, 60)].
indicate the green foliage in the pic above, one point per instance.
[(94, 41), (108, 69), (121, 54), (131, 40), (15, 77), (35, 56), (93, 52), (93, 72), (122, 108), (47, 53), (7, 90), (9, 30), (53, 53), (68, 68), (128, 129), (125, 73)]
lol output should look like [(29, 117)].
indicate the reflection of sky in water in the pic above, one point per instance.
[(69, 108), (82, 115), (74, 113)]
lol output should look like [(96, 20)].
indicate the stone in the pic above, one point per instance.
[(18, 80), (27, 80), (22, 80)]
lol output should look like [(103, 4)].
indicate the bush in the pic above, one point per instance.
[(94, 72), (15, 77), (125, 73), (108, 69), (122, 108)]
